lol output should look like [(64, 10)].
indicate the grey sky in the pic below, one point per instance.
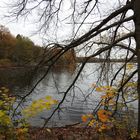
[(27, 28), (19, 27)]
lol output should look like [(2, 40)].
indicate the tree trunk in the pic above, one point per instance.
[(137, 39)]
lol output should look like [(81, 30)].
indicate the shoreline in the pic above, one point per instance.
[(65, 66)]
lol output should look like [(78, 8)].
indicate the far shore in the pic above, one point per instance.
[(100, 60), (78, 60)]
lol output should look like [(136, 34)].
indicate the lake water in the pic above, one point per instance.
[(81, 99)]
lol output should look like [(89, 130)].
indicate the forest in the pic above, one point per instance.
[(21, 51)]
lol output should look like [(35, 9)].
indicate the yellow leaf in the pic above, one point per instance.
[(99, 89), (48, 98), (129, 66), (91, 123)]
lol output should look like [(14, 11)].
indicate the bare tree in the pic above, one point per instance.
[(99, 29)]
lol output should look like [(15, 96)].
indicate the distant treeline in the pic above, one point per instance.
[(21, 51), (98, 60)]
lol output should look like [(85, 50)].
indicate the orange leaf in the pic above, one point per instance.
[(84, 118)]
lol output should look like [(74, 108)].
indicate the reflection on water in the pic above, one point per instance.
[(21, 81)]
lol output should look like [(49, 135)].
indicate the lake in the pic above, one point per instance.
[(81, 99)]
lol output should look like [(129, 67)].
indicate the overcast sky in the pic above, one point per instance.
[(19, 27), (27, 28)]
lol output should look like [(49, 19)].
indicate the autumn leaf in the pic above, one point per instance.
[(103, 115), (99, 89), (129, 66), (91, 123), (84, 118)]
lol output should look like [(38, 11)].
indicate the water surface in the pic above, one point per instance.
[(81, 99)]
